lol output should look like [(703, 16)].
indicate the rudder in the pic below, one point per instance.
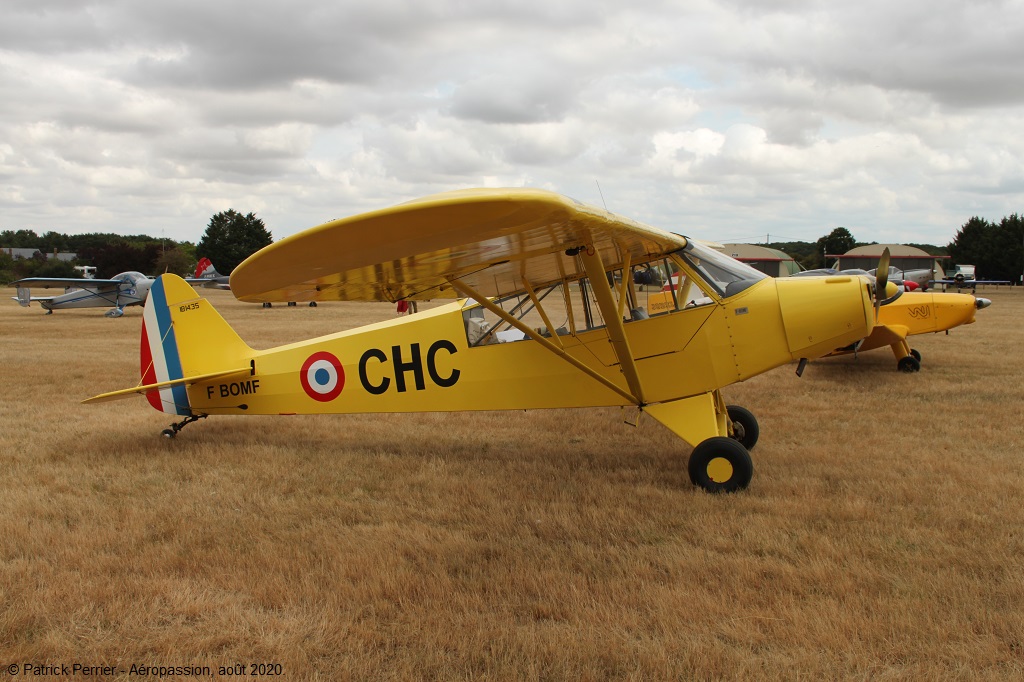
[(182, 336)]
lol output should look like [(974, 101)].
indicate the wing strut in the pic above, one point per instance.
[(469, 292), (594, 267), (543, 313)]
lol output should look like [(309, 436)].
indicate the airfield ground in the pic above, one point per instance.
[(882, 536)]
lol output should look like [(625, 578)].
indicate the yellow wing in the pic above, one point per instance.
[(491, 239)]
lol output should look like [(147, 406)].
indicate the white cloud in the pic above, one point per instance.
[(897, 120)]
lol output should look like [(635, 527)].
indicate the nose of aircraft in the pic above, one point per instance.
[(821, 314), (953, 310)]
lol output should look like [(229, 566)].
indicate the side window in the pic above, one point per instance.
[(570, 307), (484, 327), (678, 291)]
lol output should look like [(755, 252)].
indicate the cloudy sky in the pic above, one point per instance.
[(729, 120)]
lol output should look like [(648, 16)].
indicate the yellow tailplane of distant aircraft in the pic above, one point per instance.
[(545, 314)]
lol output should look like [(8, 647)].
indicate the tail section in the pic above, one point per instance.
[(183, 338), (202, 266), (205, 269)]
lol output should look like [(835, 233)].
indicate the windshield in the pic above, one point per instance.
[(726, 275)]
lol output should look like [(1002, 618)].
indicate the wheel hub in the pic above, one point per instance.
[(719, 470)]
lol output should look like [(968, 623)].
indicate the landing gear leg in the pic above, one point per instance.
[(173, 431), (907, 359)]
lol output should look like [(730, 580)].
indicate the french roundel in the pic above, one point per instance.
[(322, 376)]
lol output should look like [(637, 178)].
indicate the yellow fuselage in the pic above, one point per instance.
[(424, 363), (917, 313)]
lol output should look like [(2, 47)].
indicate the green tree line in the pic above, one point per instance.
[(811, 255), (109, 253), (995, 249), (229, 239)]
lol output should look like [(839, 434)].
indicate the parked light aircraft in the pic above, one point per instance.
[(543, 317), (922, 278), (207, 276), (117, 293), (918, 313), (900, 316), (960, 281)]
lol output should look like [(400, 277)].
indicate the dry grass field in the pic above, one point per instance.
[(882, 536)]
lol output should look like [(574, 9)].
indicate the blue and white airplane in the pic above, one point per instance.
[(117, 293)]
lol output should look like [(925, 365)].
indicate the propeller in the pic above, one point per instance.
[(881, 279)]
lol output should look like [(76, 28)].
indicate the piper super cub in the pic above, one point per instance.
[(545, 314)]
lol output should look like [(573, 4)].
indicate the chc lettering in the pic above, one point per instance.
[(235, 388), (413, 364)]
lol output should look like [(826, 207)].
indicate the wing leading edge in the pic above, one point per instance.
[(97, 285), (491, 239)]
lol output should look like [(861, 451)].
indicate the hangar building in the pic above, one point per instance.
[(769, 261)]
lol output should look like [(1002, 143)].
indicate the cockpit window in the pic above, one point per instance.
[(726, 275)]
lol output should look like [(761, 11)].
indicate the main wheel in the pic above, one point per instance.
[(914, 353), (908, 364), (744, 426), (720, 465)]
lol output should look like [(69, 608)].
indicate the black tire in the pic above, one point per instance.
[(744, 426), (720, 458), (914, 353), (312, 304), (909, 364), (168, 433)]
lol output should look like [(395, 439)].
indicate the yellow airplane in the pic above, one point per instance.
[(545, 314), (916, 313)]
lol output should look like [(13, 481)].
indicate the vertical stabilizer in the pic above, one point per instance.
[(183, 336), (204, 268)]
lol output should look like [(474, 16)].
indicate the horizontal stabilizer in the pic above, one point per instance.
[(186, 381), (24, 297)]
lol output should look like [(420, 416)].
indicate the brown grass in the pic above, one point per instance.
[(880, 539)]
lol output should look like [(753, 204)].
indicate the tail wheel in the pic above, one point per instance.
[(744, 426), (721, 465)]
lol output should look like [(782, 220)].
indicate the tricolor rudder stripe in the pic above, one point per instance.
[(159, 354)]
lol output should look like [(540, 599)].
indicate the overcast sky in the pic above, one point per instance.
[(729, 120)]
